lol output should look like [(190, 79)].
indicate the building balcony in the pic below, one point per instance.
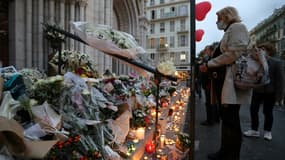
[(169, 15), (182, 31), (162, 47), (158, 5)]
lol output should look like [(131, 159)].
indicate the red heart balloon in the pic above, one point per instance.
[(201, 10), (199, 35)]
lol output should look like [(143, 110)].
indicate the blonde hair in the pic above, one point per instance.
[(230, 14)]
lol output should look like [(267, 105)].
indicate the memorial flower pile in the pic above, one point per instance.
[(32, 74), (76, 62), (48, 89), (90, 118), (75, 149), (140, 119)]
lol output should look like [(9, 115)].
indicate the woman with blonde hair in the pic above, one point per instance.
[(233, 43)]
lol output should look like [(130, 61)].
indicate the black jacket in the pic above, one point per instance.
[(276, 74)]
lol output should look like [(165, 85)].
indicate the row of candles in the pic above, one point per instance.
[(175, 122), (161, 155), (170, 121)]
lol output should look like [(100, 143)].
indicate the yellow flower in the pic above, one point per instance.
[(83, 75)]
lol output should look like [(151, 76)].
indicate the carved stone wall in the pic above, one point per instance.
[(28, 48)]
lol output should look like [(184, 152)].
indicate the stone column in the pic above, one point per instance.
[(16, 36), (109, 12), (61, 16), (96, 21), (97, 11), (72, 18), (101, 11), (51, 11), (101, 17), (108, 21), (41, 58), (35, 28), (82, 5), (90, 11), (28, 33)]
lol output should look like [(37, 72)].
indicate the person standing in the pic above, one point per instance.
[(206, 80), (280, 102), (234, 41), (198, 78), (1, 84), (267, 95)]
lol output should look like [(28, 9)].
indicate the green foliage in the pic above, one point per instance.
[(55, 38), (140, 119), (184, 139), (47, 90)]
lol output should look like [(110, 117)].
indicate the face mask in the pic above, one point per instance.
[(221, 25)]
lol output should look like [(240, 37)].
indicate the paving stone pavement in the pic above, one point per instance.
[(208, 138)]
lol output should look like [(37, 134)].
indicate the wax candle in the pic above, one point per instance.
[(140, 133), (162, 140), (136, 140)]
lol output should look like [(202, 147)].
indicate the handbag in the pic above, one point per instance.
[(251, 70)]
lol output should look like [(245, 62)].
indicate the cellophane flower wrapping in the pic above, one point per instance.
[(86, 110), (167, 68), (107, 39), (83, 109)]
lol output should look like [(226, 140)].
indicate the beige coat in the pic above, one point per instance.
[(235, 39)]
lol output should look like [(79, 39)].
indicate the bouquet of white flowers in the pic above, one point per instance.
[(79, 63), (166, 68), (55, 38), (108, 40)]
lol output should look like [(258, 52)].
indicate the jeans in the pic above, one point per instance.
[(268, 100)]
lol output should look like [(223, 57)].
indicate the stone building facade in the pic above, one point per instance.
[(271, 29), (28, 48), (169, 32)]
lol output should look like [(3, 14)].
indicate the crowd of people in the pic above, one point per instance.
[(223, 99)]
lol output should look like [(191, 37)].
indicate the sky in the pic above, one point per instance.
[(251, 12)]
